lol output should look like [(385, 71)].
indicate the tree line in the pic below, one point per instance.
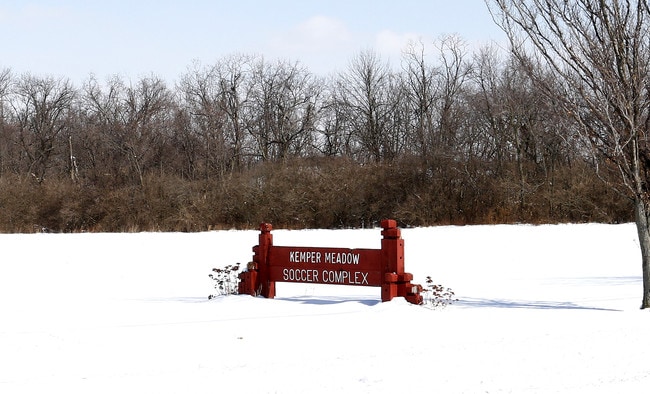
[(449, 137)]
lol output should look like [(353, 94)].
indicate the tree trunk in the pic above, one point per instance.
[(641, 208)]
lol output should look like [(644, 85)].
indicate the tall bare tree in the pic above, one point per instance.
[(600, 52), (134, 121), (419, 78), (514, 117), (201, 98), (286, 99), (41, 107), (334, 135), (5, 82), (453, 73), (365, 91), (234, 78)]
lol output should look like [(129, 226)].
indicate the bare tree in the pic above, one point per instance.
[(201, 93), (600, 52), (41, 107), (514, 116), (334, 138), (234, 80), (365, 92), (453, 74), (286, 100), (419, 77), (134, 121), (100, 118), (147, 123), (488, 143), (5, 83)]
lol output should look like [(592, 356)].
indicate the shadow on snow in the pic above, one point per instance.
[(329, 300), (512, 304)]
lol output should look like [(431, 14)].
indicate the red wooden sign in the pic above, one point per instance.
[(325, 265), (334, 266)]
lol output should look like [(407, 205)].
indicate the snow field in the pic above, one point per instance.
[(542, 309)]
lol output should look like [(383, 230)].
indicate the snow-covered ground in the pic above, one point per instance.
[(542, 309)]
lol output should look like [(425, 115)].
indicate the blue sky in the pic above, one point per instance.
[(134, 38)]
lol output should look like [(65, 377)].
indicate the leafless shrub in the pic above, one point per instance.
[(438, 296), (226, 280)]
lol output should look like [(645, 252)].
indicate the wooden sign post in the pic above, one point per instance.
[(333, 266)]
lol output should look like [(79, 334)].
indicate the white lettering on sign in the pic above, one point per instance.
[(326, 276), (345, 277), (304, 257), (341, 258), (300, 275)]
